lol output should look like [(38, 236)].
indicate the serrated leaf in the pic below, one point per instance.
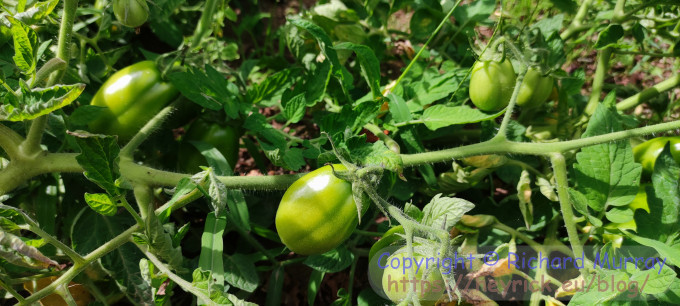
[(656, 280), (606, 173), (207, 88), (664, 200), (101, 203), (441, 209), (25, 40), (240, 272), (294, 108), (370, 66), (99, 158), (37, 102), (270, 85), (36, 13), (332, 261), (375, 154), (325, 44), (439, 116)]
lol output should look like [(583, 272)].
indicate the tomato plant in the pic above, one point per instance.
[(647, 152), (491, 84), (115, 116), (131, 13), (131, 96), (317, 212)]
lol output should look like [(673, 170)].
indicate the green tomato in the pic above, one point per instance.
[(132, 96), (491, 85), (535, 89), (396, 280), (131, 13), (224, 138), (317, 212), (647, 152)]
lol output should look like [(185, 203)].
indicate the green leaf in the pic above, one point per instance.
[(37, 13), (99, 158), (208, 89), (202, 282), (672, 294), (218, 194), (240, 272), (101, 203), (670, 253), (184, 186), (25, 39), (439, 116), (161, 243), (664, 198), (606, 173), (370, 66), (332, 261), (275, 287), (441, 209), (317, 82), (609, 36), (122, 264), (656, 280), (620, 214), (476, 11), (270, 85), (524, 197), (37, 102), (294, 108), (593, 296), (214, 157), (326, 46), (314, 285), (212, 248), (374, 154), (84, 114)]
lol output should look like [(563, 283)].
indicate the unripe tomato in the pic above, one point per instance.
[(396, 282), (647, 152), (317, 212), (224, 138), (535, 89), (491, 84), (132, 95), (131, 13)]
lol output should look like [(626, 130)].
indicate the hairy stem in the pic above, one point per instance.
[(598, 80), (185, 285), (560, 169), (544, 149), (649, 93), (128, 150)]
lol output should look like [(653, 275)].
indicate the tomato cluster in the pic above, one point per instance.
[(492, 84)]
